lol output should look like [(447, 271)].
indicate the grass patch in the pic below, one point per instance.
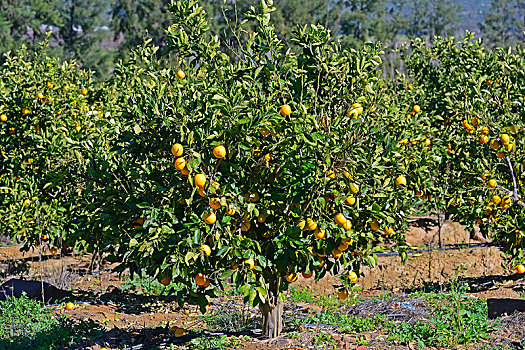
[(215, 343), (328, 303), (455, 319), (28, 324)]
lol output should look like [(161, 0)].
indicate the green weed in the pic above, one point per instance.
[(456, 319), (144, 285), (328, 303), (324, 339), (28, 324), (216, 343)]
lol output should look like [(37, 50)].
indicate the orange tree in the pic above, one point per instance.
[(48, 112), (471, 102), (252, 170)]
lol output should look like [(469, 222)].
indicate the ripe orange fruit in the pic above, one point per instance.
[(520, 269), (25, 111), (331, 175), (185, 171), (219, 152), (286, 110), (307, 275), (261, 218), (494, 144), (388, 231), (291, 277), (340, 219), (210, 218), (427, 142), (347, 241), (200, 180), (483, 139), (311, 224), (319, 233), (485, 130), (138, 222), (180, 163), (230, 212), (355, 111), (165, 281), (505, 138), (410, 87), (268, 157), (336, 253), (40, 96), (179, 332), (200, 191), (3, 117), (500, 155), (254, 197), (354, 188), (401, 181), (416, 108), (342, 247), (27, 202), (342, 294), (49, 85), (374, 225), (245, 226), (350, 200), (177, 150), (493, 183), (348, 225), (200, 279), (352, 276), (264, 132), (206, 283), (250, 263), (78, 128), (215, 203), (83, 91), (70, 306), (181, 74), (205, 249), (496, 199)]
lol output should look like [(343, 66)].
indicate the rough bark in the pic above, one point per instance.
[(272, 319), (272, 308)]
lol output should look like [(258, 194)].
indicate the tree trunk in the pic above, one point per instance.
[(272, 319), (272, 308)]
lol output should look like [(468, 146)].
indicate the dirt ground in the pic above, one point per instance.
[(125, 315)]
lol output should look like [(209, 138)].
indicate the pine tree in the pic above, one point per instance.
[(503, 23), (131, 19), (25, 22), (83, 29)]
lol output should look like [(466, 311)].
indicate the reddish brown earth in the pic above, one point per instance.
[(123, 315)]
